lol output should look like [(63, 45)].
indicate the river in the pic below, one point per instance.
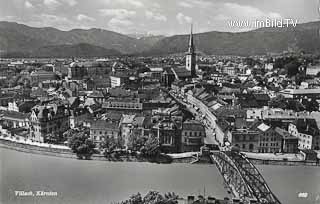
[(96, 182)]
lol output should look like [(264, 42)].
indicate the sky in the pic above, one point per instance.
[(156, 17)]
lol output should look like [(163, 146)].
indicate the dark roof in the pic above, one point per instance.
[(307, 126), (193, 125), (285, 134), (223, 124), (14, 115), (102, 124), (181, 72), (261, 97), (226, 111)]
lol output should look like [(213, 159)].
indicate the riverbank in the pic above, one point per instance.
[(176, 158), (67, 153)]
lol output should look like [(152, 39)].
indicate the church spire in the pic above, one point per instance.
[(191, 46)]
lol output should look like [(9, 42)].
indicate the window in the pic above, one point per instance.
[(251, 146), (243, 146)]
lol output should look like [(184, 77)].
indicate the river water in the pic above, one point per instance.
[(96, 182)]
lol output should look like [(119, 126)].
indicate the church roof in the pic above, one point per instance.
[(181, 72)]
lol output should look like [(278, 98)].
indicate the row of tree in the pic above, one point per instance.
[(153, 197), (296, 105)]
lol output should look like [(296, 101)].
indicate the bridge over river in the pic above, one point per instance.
[(244, 180)]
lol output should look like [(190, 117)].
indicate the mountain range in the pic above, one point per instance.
[(21, 40)]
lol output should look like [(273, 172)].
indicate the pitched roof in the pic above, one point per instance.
[(193, 125), (285, 134), (102, 124), (181, 72), (14, 115), (263, 127)]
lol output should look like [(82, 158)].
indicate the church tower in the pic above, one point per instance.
[(191, 56)]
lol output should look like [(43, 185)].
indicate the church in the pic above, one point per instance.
[(182, 72)]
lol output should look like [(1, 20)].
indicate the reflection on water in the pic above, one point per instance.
[(104, 182)]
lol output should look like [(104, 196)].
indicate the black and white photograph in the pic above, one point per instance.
[(159, 101)]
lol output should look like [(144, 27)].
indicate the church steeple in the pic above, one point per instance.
[(191, 45), (191, 56)]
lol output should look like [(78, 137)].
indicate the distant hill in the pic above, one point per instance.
[(21, 40), (18, 37), (79, 50), (304, 37)]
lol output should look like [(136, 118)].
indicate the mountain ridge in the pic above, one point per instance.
[(15, 37)]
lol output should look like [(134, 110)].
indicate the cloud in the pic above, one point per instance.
[(52, 4), (135, 3), (82, 17), (117, 13), (185, 4), (183, 19), (236, 11), (120, 18), (156, 5), (70, 2), (195, 3), (119, 25), (155, 16), (126, 3), (28, 4), (45, 20)]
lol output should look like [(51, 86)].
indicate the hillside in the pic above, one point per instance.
[(261, 41), (21, 40), (17, 37)]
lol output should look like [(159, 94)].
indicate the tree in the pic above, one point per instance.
[(136, 142), (153, 197), (151, 146), (81, 145), (109, 145), (278, 102), (292, 68), (311, 105)]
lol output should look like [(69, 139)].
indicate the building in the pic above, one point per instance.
[(168, 134), (6, 98), (192, 136), (40, 76), (101, 130), (13, 119), (118, 79), (307, 131), (301, 93), (290, 142), (246, 140), (126, 126), (49, 122), (76, 71), (191, 56), (123, 104), (270, 140)]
